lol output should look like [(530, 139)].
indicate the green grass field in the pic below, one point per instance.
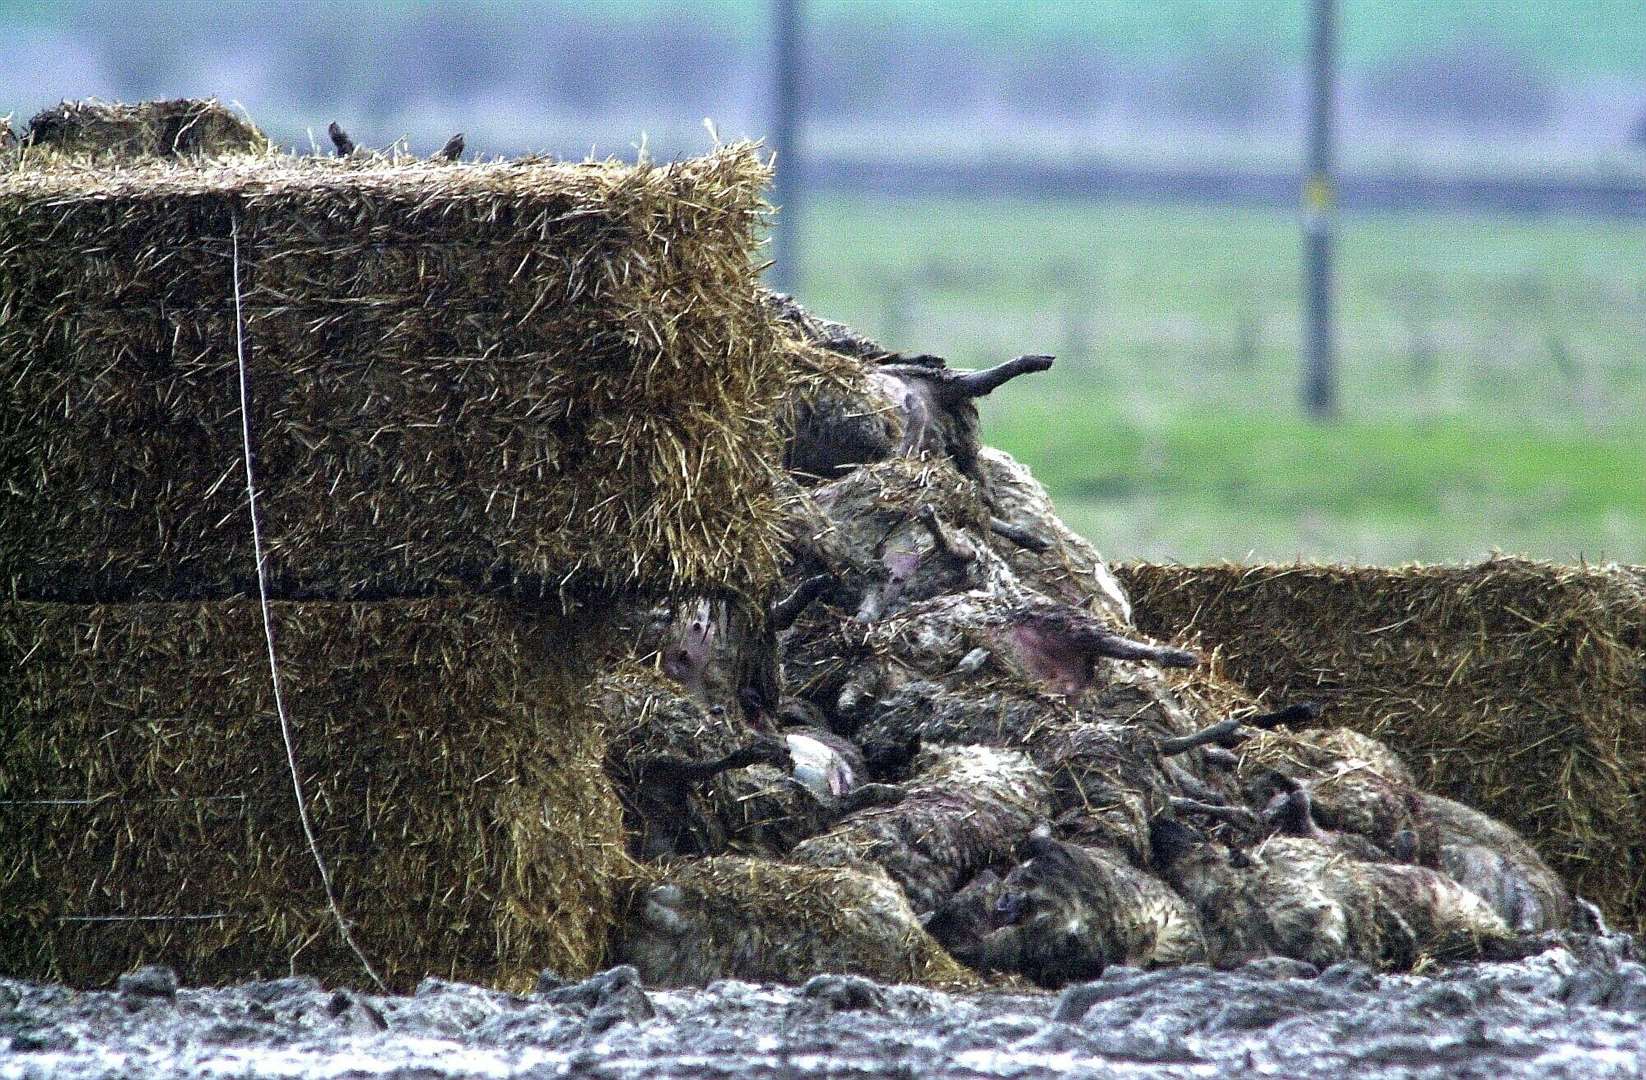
[(1493, 371)]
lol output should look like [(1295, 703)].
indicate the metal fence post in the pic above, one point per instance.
[(1319, 374), (784, 275)]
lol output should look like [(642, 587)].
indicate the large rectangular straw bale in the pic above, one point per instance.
[(1517, 687), (453, 774), (528, 374)]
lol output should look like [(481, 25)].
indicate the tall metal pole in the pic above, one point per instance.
[(785, 122), (1319, 374)]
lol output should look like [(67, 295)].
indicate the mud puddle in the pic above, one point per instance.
[(1577, 1010)]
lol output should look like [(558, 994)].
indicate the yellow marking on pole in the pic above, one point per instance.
[(1317, 194)]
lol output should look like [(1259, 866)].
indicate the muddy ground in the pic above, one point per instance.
[(1574, 1010)]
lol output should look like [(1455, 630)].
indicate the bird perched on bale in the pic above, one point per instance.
[(452, 150), (340, 139)]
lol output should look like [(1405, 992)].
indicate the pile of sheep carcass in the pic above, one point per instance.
[(946, 722)]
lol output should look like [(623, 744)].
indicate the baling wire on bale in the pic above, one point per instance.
[(286, 738)]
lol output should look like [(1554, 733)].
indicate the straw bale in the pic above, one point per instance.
[(1513, 686), (696, 920), (453, 773), (528, 375), (184, 126)]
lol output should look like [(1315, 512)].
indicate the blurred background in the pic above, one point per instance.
[(1124, 183)]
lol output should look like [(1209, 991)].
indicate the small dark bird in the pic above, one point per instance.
[(340, 139), (453, 148)]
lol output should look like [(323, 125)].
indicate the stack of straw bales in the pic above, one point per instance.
[(1513, 686), (482, 395)]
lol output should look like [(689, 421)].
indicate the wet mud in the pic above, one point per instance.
[(1576, 1009)]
